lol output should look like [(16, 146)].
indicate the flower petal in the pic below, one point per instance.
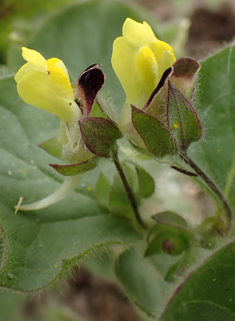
[(164, 55), (51, 92), (124, 62), (26, 68), (65, 189), (139, 60), (148, 68), (55, 65), (137, 34), (34, 57)]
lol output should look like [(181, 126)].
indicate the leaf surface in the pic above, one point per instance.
[(39, 246)]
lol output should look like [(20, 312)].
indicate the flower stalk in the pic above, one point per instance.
[(212, 186), (130, 195)]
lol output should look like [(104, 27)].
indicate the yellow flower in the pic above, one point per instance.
[(139, 59), (157, 117), (45, 84)]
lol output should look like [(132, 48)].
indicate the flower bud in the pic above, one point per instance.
[(174, 246), (169, 239)]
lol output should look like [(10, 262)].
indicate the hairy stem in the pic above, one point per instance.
[(211, 185), (129, 192)]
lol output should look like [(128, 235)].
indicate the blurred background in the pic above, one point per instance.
[(194, 28)]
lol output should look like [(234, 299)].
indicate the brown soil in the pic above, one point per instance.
[(210, 30), (97, 299)]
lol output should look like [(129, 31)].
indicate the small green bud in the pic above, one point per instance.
[(170, 235)]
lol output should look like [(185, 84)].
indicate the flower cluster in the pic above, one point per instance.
[(157, 117)]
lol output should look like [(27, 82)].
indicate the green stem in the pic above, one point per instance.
[(129, 192), (212, 186)]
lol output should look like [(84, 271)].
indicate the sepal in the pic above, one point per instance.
[(105, 107), (89, 84), (183, 121), (146, 182), (75, 169), (99, 135), (155, 137), (52, 147), (184, 76)]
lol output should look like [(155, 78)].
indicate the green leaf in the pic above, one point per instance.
[(9, 305), (155, 136), (146, 182), (171, 219), (103, 189), (217, 114), (18, 22), (75, 169), (36, 242), (52, 147), (208, 290), (118, 198), (103, 265), (142, 281), (199, 310), (99, 135)]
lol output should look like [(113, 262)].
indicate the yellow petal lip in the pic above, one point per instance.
[(45, 84), (35, 62), (34, 57), (33, 89), (137, 34), (26, 68)]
